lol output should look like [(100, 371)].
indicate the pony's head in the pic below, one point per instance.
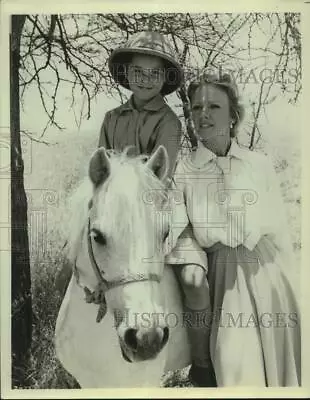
[(120, 230)]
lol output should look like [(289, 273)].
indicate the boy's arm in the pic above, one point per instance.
[(103, 137), (169, 135)]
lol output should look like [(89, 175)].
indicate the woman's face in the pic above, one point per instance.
[(212, 120), (145, 76)]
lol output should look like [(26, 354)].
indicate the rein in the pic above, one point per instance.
[(98, 295)]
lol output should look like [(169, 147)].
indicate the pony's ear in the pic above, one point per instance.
[(99, 166), (159, 162)]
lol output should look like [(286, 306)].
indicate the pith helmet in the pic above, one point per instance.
[(150, 43)]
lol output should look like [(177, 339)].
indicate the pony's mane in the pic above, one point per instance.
[(125, 169)]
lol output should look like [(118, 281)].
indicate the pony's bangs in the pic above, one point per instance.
[(125, 169), (77, 215)]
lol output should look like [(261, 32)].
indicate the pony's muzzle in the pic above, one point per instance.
[(144, 343)]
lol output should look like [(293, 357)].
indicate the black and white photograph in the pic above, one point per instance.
[(151, 163)]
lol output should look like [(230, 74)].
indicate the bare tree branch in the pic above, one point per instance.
[(34, 139), (75, 48), (258, 110)]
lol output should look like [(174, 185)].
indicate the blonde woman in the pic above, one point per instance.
[(236, 211)]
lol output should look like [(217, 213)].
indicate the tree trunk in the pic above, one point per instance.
[(20, 267)]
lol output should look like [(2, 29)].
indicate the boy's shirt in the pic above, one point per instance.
[(153, 125)]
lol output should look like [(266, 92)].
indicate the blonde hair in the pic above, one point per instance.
[(226, 83)]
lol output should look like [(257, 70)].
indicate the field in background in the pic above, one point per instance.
[(55, 170)]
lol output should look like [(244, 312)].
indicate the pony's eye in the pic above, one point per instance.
[(99, 237)]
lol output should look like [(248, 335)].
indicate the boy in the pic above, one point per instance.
[(146, 66)]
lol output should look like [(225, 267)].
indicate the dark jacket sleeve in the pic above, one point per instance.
[(169, 135), (103, 137)]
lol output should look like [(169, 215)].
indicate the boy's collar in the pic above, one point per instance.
[(203, 155), (155, 104)]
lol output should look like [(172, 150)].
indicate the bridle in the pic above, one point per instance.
[(98, 295)]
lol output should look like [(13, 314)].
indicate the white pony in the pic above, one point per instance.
[(129, 330)]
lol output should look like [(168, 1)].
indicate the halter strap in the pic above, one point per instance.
[(122, 279), (98, 295), (92, 257)]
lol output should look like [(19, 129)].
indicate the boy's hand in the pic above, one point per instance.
[(193, 275)]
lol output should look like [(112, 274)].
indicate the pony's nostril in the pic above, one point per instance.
[(166, 336), (131, 339), (154, 339)]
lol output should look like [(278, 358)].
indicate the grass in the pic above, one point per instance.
[(45, 371)]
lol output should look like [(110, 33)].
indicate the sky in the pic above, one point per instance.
[(281, 120)]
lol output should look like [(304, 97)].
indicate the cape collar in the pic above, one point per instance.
[(203, 155)]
